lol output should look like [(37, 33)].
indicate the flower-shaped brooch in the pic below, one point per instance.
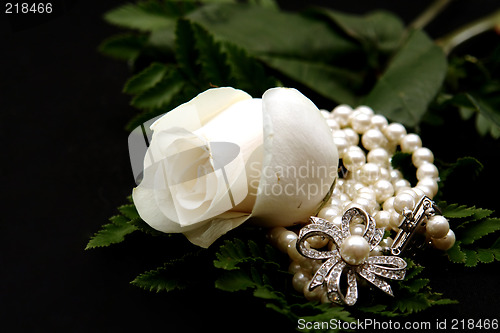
[(350, 254)]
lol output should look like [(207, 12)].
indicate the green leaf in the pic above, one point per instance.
[(176, 274), (162, 93), (265, 31), (146, 228), (410, 82), (129, 211), (123, 47), (146, 79), (234, 281), (112, 233), (144, 16), (471, 259), (247, 72), (485, 256), (417, 284), (157, 280), (378, 30), (413, 303), (333, 83), (212, 60), (186, 53), (455, 254), (480, 229)]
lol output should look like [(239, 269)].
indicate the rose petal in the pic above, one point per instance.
[(208, 232), (300, 159), (200, 110)]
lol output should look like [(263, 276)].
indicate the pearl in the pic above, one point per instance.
[(325, 113), (395, 220), (317, 242), (404, 201), (383, 190), (427, 170), (421, 156), (394, 132), (354, 250), (386, 242), (360, 122), (294, 267), (388, 205), (354, 159), (420, 194), (332, 123), (444, 243), (401, 184), (370, 172), (274, 234), (382, 219), (329, 213), (377, 251), (372, 139), (341, 144), (379, 121), (437, 226), (409, 143), (300, 279), (357, 229), (395, 175), (337, 221), (364, 109), (341, 114), (285, 239), (384, 174), (351, 136), (379, 156), (293, 253), (430, 184)]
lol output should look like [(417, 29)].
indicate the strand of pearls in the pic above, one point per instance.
[(366, 143)]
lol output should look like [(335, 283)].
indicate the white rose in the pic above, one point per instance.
[(224, 157)]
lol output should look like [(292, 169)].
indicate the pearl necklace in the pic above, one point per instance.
[(365, 143)]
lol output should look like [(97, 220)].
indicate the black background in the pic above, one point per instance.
[(65, 169)]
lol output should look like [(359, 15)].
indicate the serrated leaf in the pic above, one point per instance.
[(479, 230), (413, 303), (485, 256), (333, 83), (111, 233), (495, 249), (235, 280), (457, 211), (146, 228), (247, 71), (186, 53), (157, 280), (455, 254), (283, 33), (146, 79), (416, 284), (123, 47), (162, 93), (175, 274), (211, 58), (146, 17), (471, 259), (411, 80), (129, 211), (377, 30)]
